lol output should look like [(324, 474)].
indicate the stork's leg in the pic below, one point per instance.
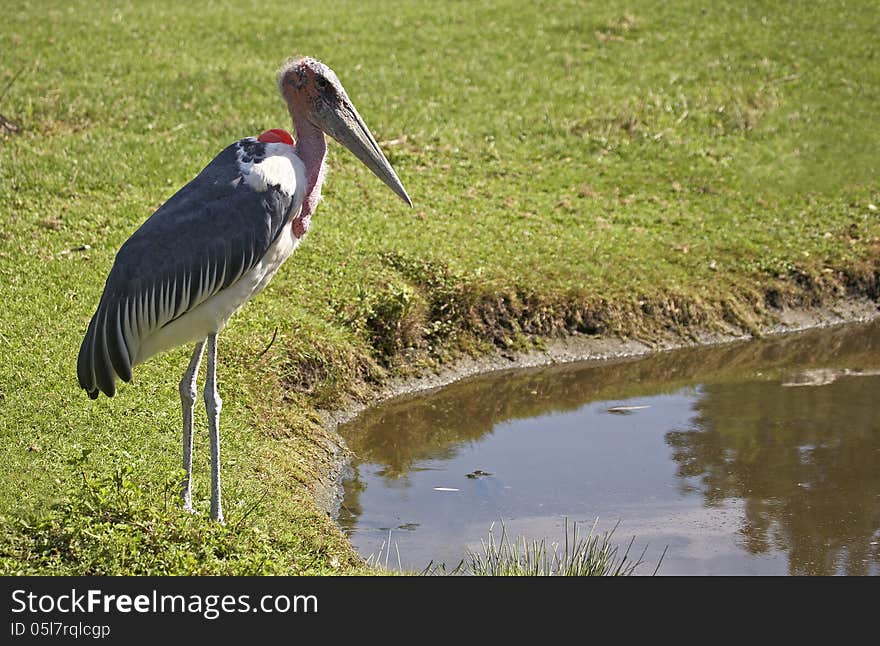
[(213, 403), (188, 401)]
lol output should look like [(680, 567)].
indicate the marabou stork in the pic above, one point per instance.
[(216, 243)]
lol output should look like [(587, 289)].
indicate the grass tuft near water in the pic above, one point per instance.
[(595, 554)]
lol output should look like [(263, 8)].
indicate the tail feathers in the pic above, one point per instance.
[(104, 354), (84, 364)]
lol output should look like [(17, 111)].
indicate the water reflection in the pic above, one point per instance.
[(713, 451), (806, 463)]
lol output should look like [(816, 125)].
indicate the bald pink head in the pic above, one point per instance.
[(305, 83), (316, 99)]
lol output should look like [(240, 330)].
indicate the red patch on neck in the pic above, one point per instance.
[(276, 136)]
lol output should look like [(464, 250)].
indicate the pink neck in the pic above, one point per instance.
[(311, 148)]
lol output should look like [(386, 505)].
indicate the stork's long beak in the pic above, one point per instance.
[(345, 125)]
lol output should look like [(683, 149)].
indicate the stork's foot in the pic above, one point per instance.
[(217, 512), (186, 503), (186, 500)]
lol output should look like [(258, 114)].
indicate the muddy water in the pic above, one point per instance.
[(760, 457)]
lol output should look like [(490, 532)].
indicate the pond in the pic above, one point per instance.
[(758, 457)]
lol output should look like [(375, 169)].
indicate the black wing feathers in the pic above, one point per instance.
[(199, 242)]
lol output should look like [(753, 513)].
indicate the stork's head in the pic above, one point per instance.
[(314, 93)]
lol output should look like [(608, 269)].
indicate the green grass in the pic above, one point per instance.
[(595, 554), (110, 524), (617, 167)]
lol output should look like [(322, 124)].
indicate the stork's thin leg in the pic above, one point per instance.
[(213, 403), (188, 401)]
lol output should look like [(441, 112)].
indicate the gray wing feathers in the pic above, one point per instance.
[(199, 242)]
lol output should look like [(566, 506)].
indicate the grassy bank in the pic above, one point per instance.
[(618, 168)]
